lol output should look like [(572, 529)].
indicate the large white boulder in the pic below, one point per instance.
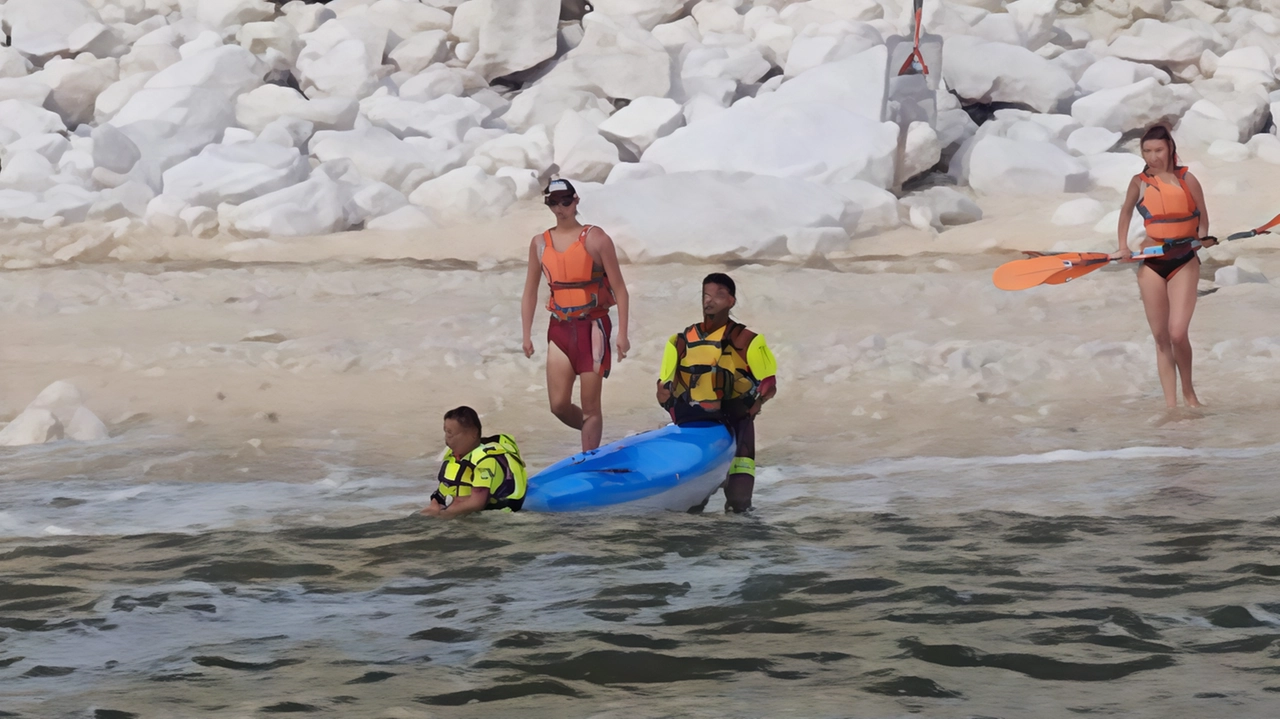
[(75, 86), (713, 215), (1080, 211), (379, 155), (41, 28), (404, 219), (981, 71), (1246, 67), (235, 173), (514, 35), (446, 117), (13, 64), (20, 119), (1235, 117), (1265, 147), (637, 125), (1130, 107), (822, 44), (33, 426), (581, 152), (224, 13), (1109, 72), (343, 58), (465, 194), (1000, 166), (1113, 170), (647, 13), (264, 105), (544, 105), (817, 127), (1159, 43), (27, 170), (420, 51), (531, 150), (315, 207), (1092, 140), (616, 59), (116, 95), (945, 206), (28, 90)]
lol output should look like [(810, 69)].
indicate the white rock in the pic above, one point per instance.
[(306, 17), (314, 207), (528, 182), (20, 119), (616, 58), (41, 28), (1109, 72), (1132, 107), (288, 132), (375, 199), (1113, 170), (826, 44), (85, 426), (33, 426), (24, 89), (637, 125), (148, 57), (226, 69), (375, 153), (113, 98), (434, 81), (1246, 67), (75, 86), (948, 206), (873, 209), (1229, 151), (630, 171), (921, 152), (421, 51), (51, 147), (714, 214), (465, 194), (815, 127), (774, 40), (1236, 275), (1080, 211), (648, 13), (1110, 223), (235, 173), (531, 150), (13, 64), (264, 38), (260, 107), (342, 58), (27, 171), (199, 221), (113, 150), (1265, 147), (447, 117), (404, 219), (1000, 166), (581, 152), (515, 35), (1159, 43), (543, 105), (61, 398), (716, 17), (980, 71), (1235, 117), (1092, 140), (224, 13)]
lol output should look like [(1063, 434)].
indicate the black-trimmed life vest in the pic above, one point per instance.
[(457, 476), (1169, 212), (712, 379)]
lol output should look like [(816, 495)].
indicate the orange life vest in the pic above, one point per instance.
[(579, 288), (1168, 211)]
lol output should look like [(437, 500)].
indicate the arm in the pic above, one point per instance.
[(764, 366), (1197, 194), (670, 358), (529, 301), (463, 506), (1126, 216), (436, 506), (600, 247)]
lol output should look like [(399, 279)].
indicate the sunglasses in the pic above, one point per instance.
[(563, 201)]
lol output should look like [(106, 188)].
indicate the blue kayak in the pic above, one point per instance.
[(672, 468)]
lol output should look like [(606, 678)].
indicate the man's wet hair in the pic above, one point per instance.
[(725, 281), (464, 416)]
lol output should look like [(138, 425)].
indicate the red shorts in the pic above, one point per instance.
[(585, 342)]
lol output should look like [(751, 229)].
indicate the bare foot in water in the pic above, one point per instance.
[(1190, 398)]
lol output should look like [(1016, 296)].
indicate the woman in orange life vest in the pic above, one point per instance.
[(1171, 203), (581, 267)]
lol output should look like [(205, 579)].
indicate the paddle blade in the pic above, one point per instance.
[(1084, 263), (1024, 274)]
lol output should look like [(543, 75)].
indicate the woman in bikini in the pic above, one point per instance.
[(581, 268), (1171, 203)]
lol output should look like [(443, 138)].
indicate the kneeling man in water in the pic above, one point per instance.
[(478, 473), (719, 370)]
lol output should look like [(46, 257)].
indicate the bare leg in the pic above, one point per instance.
[(592, 416), (1182, 303), (560, 379), (1155, 300)]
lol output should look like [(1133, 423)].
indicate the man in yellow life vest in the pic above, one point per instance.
[(719, 370), (478, 473)]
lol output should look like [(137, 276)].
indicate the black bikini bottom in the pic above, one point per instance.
[(1166, 266)]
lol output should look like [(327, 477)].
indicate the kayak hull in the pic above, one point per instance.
[(673, 468)]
